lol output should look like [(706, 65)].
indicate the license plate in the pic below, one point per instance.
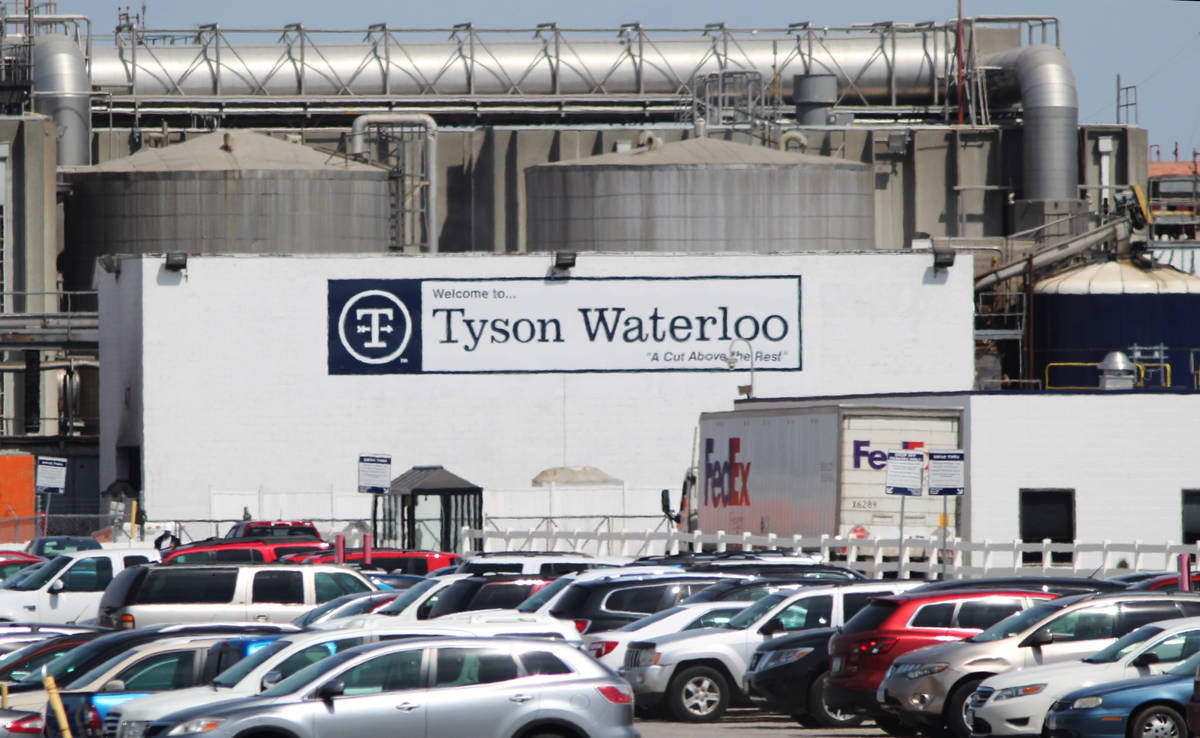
[(837, 664)]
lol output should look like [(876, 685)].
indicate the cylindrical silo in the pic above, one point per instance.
[(227, 192), (701, 196), (1082, 314)]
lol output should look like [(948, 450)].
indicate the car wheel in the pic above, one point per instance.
[(895, 727), (1158, 721), (954, 714), (699, 694), (822, 716)]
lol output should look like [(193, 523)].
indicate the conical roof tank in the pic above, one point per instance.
[(1083, 314), (227, 192)]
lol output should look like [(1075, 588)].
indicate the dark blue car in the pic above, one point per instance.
[(1150, 706)]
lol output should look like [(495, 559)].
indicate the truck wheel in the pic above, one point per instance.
[(1158, 721), (954, 713), (821, 715), (895, 727), (699, 694)]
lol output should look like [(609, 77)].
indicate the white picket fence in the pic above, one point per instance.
[(877, 558)]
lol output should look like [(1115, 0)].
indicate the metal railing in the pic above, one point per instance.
[(877, 558), (1160, 366)]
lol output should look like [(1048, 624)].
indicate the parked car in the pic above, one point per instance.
[(14, 636), (787, 674), (492, 591), (610, 602), (10, 565), (889, 627), (1146, 706), (1168, 582), (68, 588), (930, 687), (192, 593), (755, 587), (1015, 703), (542, 563), (20, 723), (161, 665), (1058, 585), (439, 688), (272, 528), (51, 546), (404, 561), (608, 646), (412, 604), (346, 606), (698, 674), (18, 663), (244, 550)]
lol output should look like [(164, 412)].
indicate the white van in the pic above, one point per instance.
[(68, 588)]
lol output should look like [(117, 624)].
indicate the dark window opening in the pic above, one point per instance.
[(1191, 515), (1047, 514)]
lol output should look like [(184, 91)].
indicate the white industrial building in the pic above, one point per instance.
[(233, 382)]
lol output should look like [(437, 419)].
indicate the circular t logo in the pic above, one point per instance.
[(374, 327)]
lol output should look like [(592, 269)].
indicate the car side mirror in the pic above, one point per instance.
[(330, 689), (57, 586), (1039, 637), (270, 679), (1146, 659), (771, 627), (115, 685)]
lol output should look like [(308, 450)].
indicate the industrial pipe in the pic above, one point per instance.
[(789, 136), (1119, 230), (355, 147), (62, 91)]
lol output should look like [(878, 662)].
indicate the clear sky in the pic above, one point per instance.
[(1153, 44)]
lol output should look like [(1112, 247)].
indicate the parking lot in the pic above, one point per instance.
[(751, 723)]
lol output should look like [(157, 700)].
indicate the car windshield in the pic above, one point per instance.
[(307, 674), (650, 619), (315, 614), (1123, 645), (1014, 625), (43, 574), (534, 602), (234, 674), (755, 612), (411, 595), (95, 673)]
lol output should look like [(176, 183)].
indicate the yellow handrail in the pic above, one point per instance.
[(1141, 379)]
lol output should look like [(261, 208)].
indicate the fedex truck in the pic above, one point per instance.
[(817, 470)]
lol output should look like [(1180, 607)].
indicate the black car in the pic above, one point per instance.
[(487, 592), (607, 604), (756, 587), (787, 674), (1058, 585)]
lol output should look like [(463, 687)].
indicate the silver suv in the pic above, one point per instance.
[(929, 688), (439, 688)]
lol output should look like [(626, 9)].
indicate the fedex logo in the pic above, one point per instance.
[(726, 483), (877, 459)]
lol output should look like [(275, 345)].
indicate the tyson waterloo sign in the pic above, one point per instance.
[(618, 324)]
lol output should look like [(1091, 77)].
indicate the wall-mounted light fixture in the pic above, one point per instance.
[(943, 256), (176, 261), (564, 260), (732, 360)]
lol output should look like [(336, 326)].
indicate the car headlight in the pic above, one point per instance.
[(1009, 693), (1087, 703), (924, 670), (196, 725), (783, 656)]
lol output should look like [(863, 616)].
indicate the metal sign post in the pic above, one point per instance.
[(905, 477), (947, 478)]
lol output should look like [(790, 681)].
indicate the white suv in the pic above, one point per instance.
[(68, 588), (698, 673)]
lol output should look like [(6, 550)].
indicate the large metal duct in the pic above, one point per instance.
[(62, 92), (1041, 76)]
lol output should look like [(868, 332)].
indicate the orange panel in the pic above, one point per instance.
[(17, 504)]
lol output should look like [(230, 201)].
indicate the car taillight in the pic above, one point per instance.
[(616, 695), (127, 622), (94, 725), (581, 624), (875, 645), (601, 648), (28, 724)]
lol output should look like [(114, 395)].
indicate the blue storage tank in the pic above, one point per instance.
[(1082, 314)]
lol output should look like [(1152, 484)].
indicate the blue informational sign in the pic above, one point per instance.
[(905, 472), (947, 473), (374, 473), (51, 475)]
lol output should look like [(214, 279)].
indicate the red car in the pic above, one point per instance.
[(388, 559), (243, 551), (891, 626)]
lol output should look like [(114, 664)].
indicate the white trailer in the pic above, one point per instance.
[(817, 470)]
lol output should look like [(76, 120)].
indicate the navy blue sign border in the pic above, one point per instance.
[(416, 342)]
